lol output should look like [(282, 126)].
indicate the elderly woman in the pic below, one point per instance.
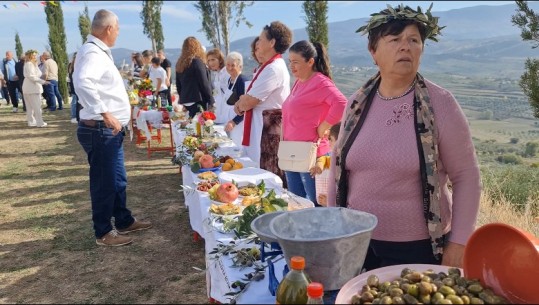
[(264, 98), (235, 89), (404, 142), (32, 88), (219, 78), (314, 105), (192, 79)]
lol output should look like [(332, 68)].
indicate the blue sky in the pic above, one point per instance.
[(180, 19)]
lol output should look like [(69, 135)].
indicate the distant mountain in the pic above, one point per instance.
[(477, 41)]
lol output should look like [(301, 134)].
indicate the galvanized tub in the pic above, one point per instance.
[(333, 241), (261, 226)]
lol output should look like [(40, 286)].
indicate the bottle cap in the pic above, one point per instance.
[(315, 290), (297, 262)]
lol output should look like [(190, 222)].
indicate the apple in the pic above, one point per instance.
[(227, 192)]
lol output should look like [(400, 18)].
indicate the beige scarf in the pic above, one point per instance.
[(427, 141)]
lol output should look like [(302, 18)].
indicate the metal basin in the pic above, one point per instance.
[(260, 226), (333, 241)]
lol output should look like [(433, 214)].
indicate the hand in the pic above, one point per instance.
[(237, 109), (322, 131), (316, 170), (112, 122), (47, 82), (229, 126), (453, 255), (322, 200)]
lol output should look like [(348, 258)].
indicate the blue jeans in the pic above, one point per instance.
[(108, 178), (302, 184), (74, 100), (52, 92)]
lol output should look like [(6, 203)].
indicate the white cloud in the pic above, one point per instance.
[(174, 11)]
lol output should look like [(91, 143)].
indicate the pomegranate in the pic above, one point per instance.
[(206, 161), (227, 192), (197, 155)]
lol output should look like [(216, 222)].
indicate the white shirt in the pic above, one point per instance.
[(156, 73), (98, 83)]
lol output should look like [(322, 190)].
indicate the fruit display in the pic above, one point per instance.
[(231, 164), (427, 287), (226, 192)]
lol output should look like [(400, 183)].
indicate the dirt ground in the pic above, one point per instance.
[(48, 252)]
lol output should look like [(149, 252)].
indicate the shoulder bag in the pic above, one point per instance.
[(297, 156)]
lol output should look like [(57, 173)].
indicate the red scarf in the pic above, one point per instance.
[(248, 119)]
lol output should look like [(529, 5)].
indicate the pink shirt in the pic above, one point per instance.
[(384, 175), (309, 104)]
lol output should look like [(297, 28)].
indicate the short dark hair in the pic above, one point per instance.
[(334, 130), (282, 35), (156, 60), (394, 27)]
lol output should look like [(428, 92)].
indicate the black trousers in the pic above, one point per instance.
[(12, 86), (194, 109), (5, 94), (388, 253), (19, 87)]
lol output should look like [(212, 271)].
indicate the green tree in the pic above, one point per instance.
[(151, 23), (528, 22), (57, 42), (18, 46), (531, 149), (316, 17), (85, 24), (218, 19)]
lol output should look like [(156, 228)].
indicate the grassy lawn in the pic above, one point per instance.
[(47, 246)]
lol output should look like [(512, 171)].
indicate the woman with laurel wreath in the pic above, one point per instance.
[(404, 143)]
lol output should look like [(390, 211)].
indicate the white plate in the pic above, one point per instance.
[(389, 273), (252, 175)]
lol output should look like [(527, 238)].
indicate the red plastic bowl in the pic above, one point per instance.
[(505, 259)]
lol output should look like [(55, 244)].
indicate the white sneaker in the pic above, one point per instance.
[(44, 125), (74, 121), (15, 109), (32, 125)]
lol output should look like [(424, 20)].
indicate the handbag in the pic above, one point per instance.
[(297, 156), (232, 99)]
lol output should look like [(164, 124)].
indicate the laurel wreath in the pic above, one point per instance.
[(402, 12)]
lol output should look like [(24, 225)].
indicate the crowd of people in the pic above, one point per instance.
[(399, 148)]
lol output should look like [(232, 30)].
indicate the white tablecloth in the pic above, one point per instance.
[(142, 117), (220, 274)]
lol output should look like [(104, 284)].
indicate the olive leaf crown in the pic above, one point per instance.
[(402, 12), (31, 51)]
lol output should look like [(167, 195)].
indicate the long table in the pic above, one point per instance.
[(219, 272)]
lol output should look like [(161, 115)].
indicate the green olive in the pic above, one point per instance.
[(437, 296), (454, 299), (409, 299), (424, 288), (396, 292), (461, 282), (500, 300), (425, 299), (386, 300), (442, 275), (438, 283), (475, 288), (366, 297), (384, 285), (448, 281), (373, 280), (459, 290), (415, 277), (454, 271), (355, 299), (413, 290), (486, 297), (476, 301), (465, 299), (398, 300), (376, 301), (446, 290), (404, 286), (444, 301), (405, 271)]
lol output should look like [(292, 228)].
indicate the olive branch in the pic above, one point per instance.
[(402, 12)]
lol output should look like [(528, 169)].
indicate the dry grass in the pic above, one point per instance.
[(47, 247)]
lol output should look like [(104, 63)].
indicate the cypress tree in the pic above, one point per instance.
[(85, 24), (151, 23), (316, 16), (18, 46), (57, 42)]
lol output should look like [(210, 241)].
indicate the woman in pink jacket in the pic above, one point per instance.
[(313, 106)]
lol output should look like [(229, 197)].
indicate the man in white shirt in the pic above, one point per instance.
[(105, 113), (158, 75)]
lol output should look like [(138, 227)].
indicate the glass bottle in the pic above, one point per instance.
[(293, 287), (315, 293), (158, 102)]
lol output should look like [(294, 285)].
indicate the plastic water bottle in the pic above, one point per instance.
[(293, 287)]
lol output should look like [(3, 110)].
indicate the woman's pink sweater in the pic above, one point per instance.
[(384, 176), (309, 104)]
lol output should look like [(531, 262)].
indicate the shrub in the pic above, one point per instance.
[(509, 159), (513, 140), (535, 165)]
